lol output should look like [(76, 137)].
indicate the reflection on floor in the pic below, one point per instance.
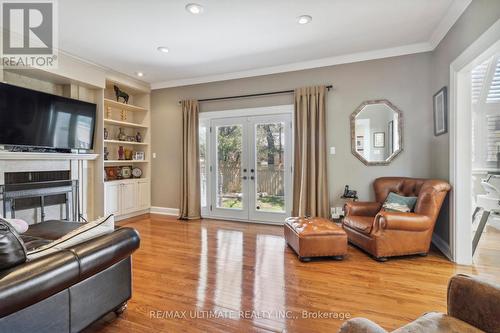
[(237, 277)]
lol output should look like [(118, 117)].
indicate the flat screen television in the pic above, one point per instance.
[(30, 118)]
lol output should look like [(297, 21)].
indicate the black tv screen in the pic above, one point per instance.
[(37, 119)]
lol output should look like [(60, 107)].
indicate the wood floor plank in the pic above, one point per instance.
[(209, 268)]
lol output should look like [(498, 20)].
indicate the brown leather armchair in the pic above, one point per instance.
[(386, 234), (473, 307)]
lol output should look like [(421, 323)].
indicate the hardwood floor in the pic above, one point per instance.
[(212, 268)]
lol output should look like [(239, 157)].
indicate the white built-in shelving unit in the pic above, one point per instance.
[(131, 196)]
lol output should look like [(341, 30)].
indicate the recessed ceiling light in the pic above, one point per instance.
[(194, 8), (304, 19), (139, 74), (163, 49)]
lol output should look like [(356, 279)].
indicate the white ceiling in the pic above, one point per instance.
[(236, 38)]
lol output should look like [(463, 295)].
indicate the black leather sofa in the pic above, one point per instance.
[(68, 290)]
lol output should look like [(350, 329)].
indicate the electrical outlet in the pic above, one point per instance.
[(154, 155)]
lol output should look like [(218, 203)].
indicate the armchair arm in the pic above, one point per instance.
[(361, 325), (475, 301), (402, 221), (360, 208)]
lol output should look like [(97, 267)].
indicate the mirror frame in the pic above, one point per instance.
[(353, 134)]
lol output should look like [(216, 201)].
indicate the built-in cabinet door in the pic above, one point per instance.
[(128, 198), (144, 199), (112, 195)]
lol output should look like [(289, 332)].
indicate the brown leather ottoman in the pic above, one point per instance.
[(315, 237)]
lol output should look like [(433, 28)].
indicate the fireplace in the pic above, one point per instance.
[(40, 190)]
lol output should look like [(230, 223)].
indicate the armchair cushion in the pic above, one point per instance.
[(403, 221), (399, 203), (435, 322), (361, 325), (363, 224)]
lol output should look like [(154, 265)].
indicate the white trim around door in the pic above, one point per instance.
[(247, 204), (460, 116)]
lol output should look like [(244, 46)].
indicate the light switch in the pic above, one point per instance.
[(332, 150)]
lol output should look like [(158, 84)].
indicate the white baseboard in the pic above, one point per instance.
[(442, 246), (164, 211), (127, 216)]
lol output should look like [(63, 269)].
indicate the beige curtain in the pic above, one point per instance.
[(190, 186), (310, 192)]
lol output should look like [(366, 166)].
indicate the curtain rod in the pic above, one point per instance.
[(252, 95)]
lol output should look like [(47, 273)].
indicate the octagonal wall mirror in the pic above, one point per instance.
[(376, 132)]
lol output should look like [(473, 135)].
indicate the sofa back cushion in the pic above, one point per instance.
[(12, 250), (85, 232)]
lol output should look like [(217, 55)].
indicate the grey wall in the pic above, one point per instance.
[(402, 80), (478, 17)]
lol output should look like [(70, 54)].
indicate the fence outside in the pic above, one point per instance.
[(269, 178)]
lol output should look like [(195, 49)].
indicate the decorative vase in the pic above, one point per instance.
[(128, 154), (120, 153), (106, 133), (138, 137), (121, 135), (106, 153)]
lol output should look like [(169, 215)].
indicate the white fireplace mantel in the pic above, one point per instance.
[(6, 155)]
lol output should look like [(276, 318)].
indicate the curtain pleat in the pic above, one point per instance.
[(190, 184), (310, 181)]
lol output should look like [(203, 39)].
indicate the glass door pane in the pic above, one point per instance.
[(270, 185), (229, 190), (202, 139), (270, 164)]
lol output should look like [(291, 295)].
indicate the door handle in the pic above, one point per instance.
[(252, 170), (252, 177), (244, 177), (244, 170)]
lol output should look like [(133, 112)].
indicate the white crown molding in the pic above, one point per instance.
[(456, 9), (108, 71), (323, 62)]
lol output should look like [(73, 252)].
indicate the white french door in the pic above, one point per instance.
[(247, 168)]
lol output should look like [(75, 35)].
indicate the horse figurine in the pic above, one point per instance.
[(120, 93)]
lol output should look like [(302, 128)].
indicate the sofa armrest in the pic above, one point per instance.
[(475, 301), (402, 221), (361, 325), (359, 208)]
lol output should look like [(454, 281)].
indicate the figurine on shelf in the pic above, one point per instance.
[(106, 133), (106, 153), (120, 93), (121, 153), (128, 154), (138, 137), (121, 135)]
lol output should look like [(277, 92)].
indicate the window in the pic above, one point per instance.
[(485, 93)]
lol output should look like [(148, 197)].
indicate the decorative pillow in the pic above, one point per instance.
[(21, 226), (101, 226), (12, 250), (399, 203)]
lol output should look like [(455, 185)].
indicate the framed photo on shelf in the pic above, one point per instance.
[(138, 156), (440, 103), (379, 139), (111, 173)]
